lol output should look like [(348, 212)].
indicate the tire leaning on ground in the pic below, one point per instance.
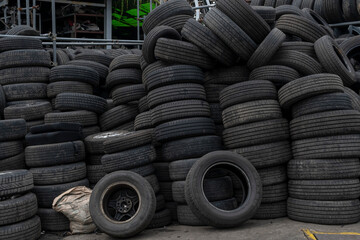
[(203, 209), (125, 216)]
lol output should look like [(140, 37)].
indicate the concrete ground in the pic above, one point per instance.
[(277, 229)]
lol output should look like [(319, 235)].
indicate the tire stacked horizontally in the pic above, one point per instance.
[(24, 74), (95, 151), (255, 129), (11, 144), (133, 151), (80, 108), (18, 206), (324, 182), (124, 84), (55, 156)]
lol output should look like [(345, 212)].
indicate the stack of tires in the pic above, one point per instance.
[(11, 144), (95, 151), (255, 129), (133, 151), (55, 155), (24, 74), (78, 108), (324, 186), (71, 79), (124, 84), (18, 206)]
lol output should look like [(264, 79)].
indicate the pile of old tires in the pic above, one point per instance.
[(55, 155), (18, 206), (334, 11), (24, 74)]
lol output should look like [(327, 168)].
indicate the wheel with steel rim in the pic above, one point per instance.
[(122, 204)]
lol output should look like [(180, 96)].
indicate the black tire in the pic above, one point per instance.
[(128, 159), (266, 155), (256, 133), (179, 169), (349, 9), (283, 2), (151, 39), (18, 209), (215, 189), (271, 210), (247, 91), (163, 12), (275, 193), (203, 209), (266, 50), (323, 169), (332, 11), (257, 3), (234, 37), (23, 30), (125, 61), (53, 221), (59, 174), (99, 58), (164, 76), (15, 182), (52, 137), (10, 148), (277, 74), (307, 4), (54, 154), (267, 13), (13, 163), (325, 190), (334, 60), (301, 27), (249, 112), (216, 113), (185, 216), (312, 15), (213, 92), (25, 91), (160, 219), (324, 212), (95, 143), (190, 147), (46, 194), (28, 112), (303, 47), (117, 116), (321, 103), (176, 22), (184, 128), (354, 98), (121, 76), (79, 101), (24, 75), (325, 124), (179, 52), (95, 173), (2, 102), (340, 146), (129, 126), (143, 121), (299, 61), (227, 75), (270, 3), (74, 73), (297, 3), (307, 87), (246, 18), (94, 159), (53, 89), (128, 140), (82, 117), (23, 58), (128, 94), (31, 228), (273, 175), (115, 227), (18, 43), (101, 69), (143, 105), (178, 110), (288, 9), (162, 171), (203, 37), (12, 129)]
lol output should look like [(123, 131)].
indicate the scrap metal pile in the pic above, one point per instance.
[(250, 114)]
